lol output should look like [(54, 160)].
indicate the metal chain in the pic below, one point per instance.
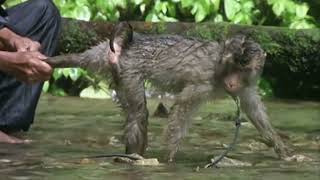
[(236, 135)]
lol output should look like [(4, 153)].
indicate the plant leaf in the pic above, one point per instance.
[(301, 10), (45, 86), (90, 92), (231, 7)]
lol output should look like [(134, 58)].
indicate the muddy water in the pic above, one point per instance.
[(68, 129)]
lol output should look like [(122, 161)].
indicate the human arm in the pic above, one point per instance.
[(25, 66), (20, 57), (14, 42)]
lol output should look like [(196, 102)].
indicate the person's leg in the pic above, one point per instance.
[(40, 21)]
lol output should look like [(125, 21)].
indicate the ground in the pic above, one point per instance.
[(68, 129)]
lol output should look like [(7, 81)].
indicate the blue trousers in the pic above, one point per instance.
[(38, 20)]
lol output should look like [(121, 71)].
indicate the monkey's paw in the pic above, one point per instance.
[(298, 158)]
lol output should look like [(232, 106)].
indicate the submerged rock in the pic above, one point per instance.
[(228, 162), (113, 141), (86, 161), (256, 146), (140, 160), (5, 161), (147, 162), (299, 158)]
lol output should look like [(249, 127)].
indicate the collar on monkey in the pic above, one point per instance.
[(237, 120)]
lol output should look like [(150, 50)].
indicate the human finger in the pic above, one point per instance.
[(38, 70), (39, 55), (22, 48), (44, 69), (34, 46), (36, 74)]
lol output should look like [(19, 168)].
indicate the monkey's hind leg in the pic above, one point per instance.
[(179, 117), (252, 105), (135, 135)]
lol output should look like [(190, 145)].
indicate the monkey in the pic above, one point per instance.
[(194, 70)]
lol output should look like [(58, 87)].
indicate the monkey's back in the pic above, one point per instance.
[(171, 61)]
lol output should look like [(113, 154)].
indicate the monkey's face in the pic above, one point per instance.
[(243, 66)]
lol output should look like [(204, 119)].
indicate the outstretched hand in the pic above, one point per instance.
[(22, 58), (26, 66)]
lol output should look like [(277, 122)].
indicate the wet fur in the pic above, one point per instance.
[(194, 70)]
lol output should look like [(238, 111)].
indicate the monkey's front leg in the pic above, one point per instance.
[(179, 118), (135, 135), (251, 104)]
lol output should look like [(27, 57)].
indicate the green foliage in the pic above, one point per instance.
[(241, 11), (98, 91), (265, 88), (161, 11), (288, 13), (292, 13)]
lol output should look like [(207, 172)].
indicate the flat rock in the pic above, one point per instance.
[(299, 158), (141, 161), (228, 162)]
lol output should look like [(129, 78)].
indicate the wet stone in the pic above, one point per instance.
[(139, 162), (228, 162)]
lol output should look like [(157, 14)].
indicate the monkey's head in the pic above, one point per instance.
[(243, 61)]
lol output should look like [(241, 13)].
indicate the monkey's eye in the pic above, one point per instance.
[(252, 51)]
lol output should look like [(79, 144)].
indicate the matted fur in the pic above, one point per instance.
[(194, 70)]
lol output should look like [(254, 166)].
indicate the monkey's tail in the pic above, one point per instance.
[(119, 41), (93, 59), (122, 35)]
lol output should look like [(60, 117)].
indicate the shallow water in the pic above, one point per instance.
[(69, 129)]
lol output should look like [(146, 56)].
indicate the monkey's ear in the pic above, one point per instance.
[(238, 39), (235, 46)]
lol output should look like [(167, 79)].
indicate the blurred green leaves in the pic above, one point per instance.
[(162, 11), (292, 14), (99, 91), (241, 11)]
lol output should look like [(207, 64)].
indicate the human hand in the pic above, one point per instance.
[(23, 44), (26, 66)]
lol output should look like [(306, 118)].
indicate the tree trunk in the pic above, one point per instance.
[(293, 60)]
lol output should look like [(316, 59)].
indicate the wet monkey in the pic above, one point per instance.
[(194, 70)]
